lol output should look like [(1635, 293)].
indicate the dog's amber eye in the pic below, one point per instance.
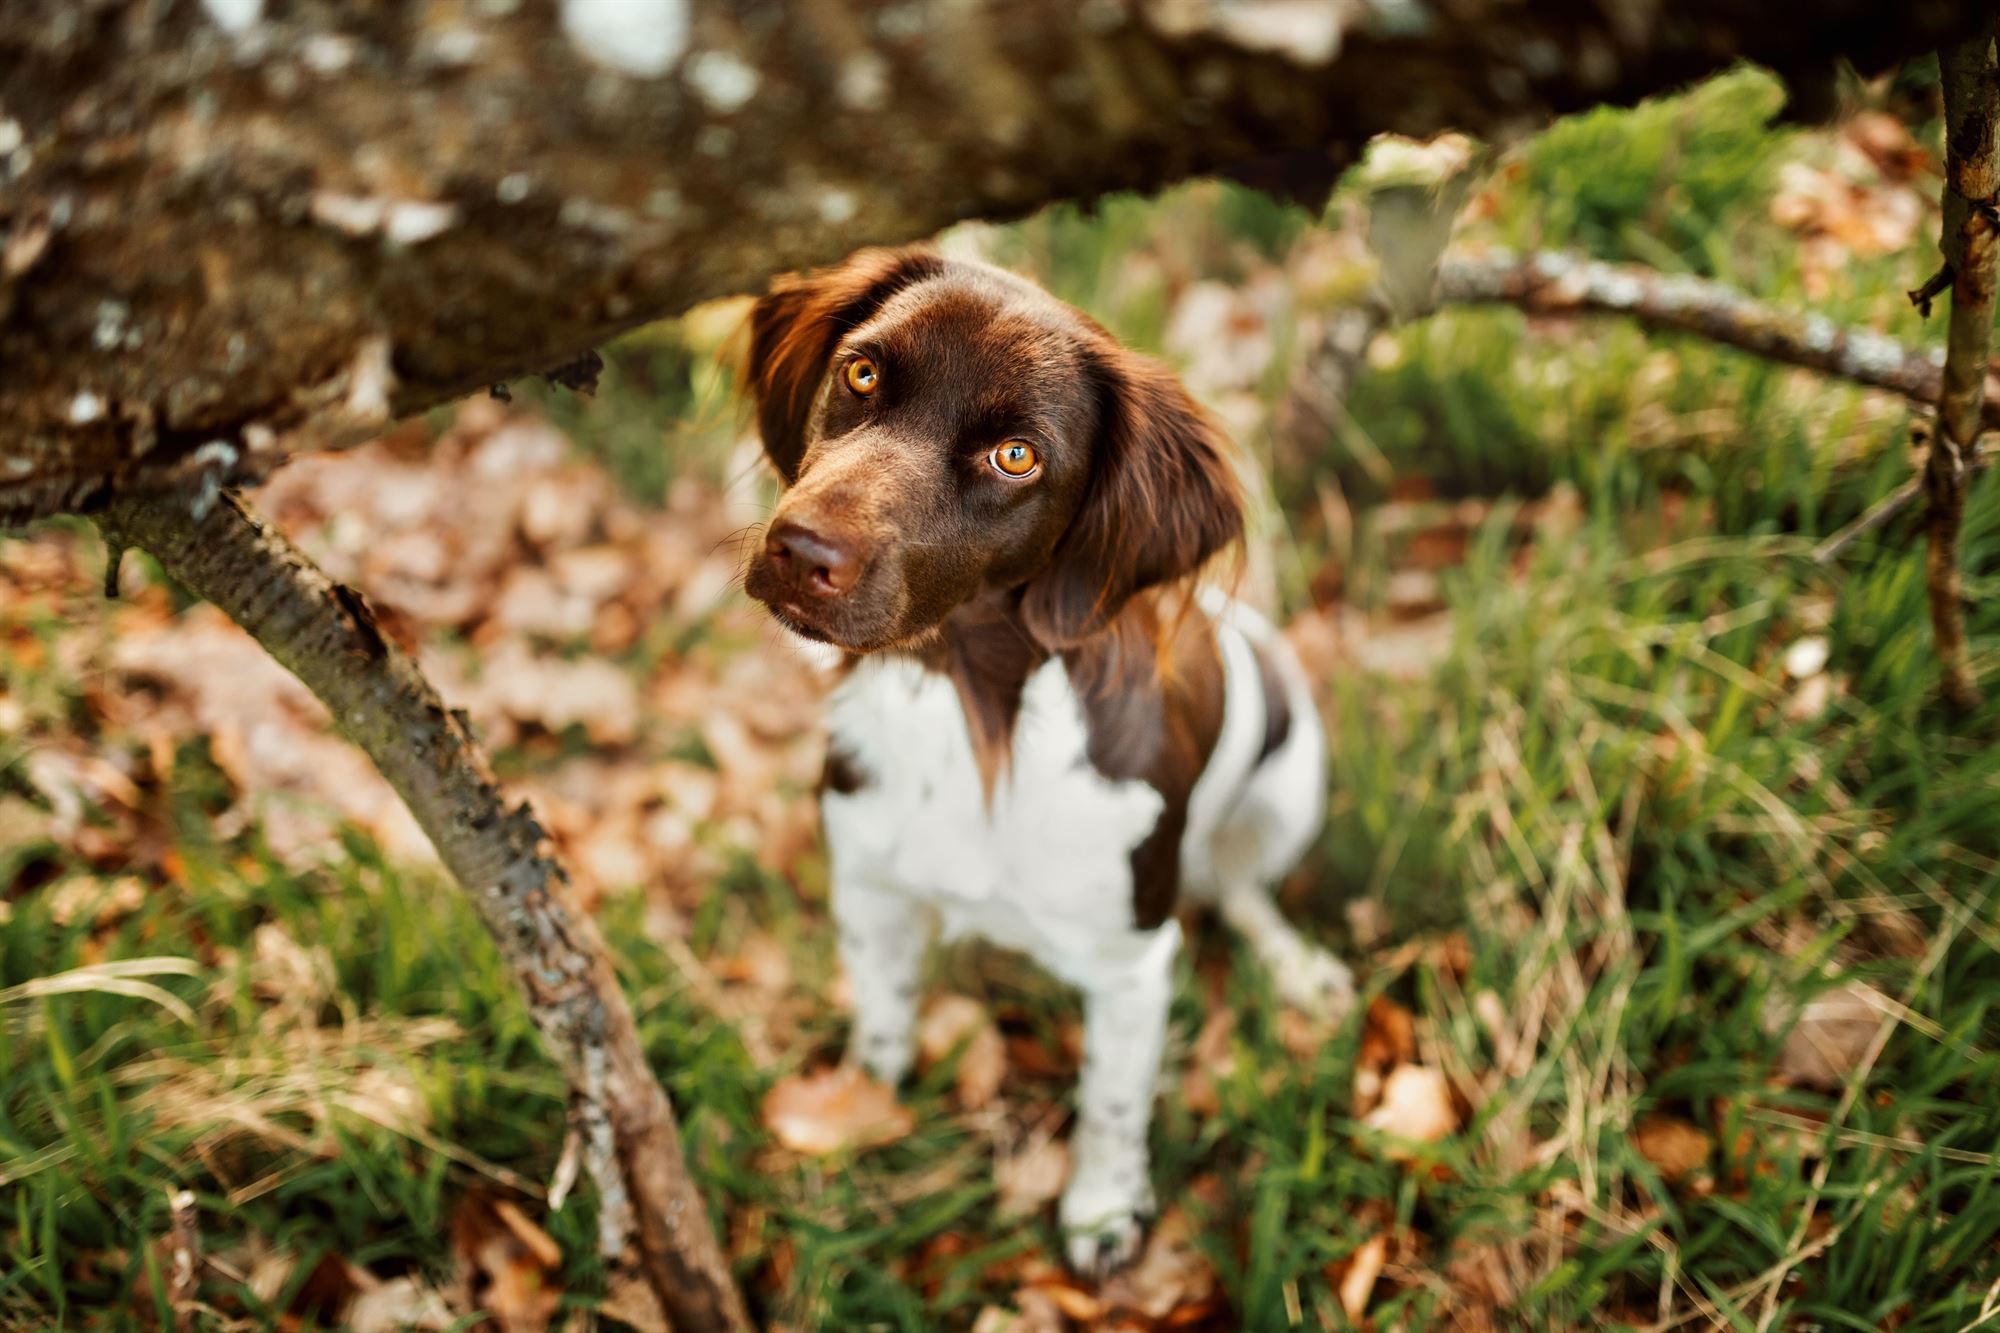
[(1016, 459), (862, 377)]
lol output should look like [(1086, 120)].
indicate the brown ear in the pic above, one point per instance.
[(1161, 500), (793, 331)]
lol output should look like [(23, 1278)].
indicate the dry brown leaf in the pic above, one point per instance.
[(833, 1109), (516, 685), (1030, 1178), (1888, 144), (959, 1023), (266, 732), (1363, 1268), (1388, 1035), (630, 1300), (1831, 1035), (507, 1265), (1170, 1277), (1211, 1060), (1074, 1302), (1415, 1109), (1673, 1145), (1838, 215), (1305, 1035)]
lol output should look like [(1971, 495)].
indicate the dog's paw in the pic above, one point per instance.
[(1315, 982), (1104, 1220), (886, 1056), (1096, 1252)]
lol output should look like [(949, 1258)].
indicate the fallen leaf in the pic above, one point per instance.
[(1030, 1178), (1673, 1145), (1388, 1035), (266, 732), (1211, 1060), (833, 1109), (1888, 144), (1074, 1302), (1415, 1109), (1170, 1278), (1363, 1268), (1304, 1035), (631, 1301), (507, 1265), (1221, 333), (958, 1023), (1830, 1035)]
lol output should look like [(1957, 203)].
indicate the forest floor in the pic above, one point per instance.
[(1671, 883)]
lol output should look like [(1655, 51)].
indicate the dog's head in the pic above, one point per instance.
[(945, 430)]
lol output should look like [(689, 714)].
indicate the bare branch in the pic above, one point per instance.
[(1561, 284), (1968, 236), (229, 233), (652, 1218)]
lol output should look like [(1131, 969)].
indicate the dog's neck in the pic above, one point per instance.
[(986, 651), (984, 647)]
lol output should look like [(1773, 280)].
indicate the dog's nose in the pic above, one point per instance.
[(811, 561)]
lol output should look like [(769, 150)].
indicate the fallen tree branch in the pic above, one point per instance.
[(465, 194), (1968, 236), (653, 1223), (1561, 284)]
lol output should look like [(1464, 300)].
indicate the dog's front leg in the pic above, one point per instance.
[(883, 938), (1109, 1198)]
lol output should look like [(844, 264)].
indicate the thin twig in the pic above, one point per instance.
[(1934, 286), (1881, 512), (653, 1222), (1886, 510), (184, 1276), (1968, 237)]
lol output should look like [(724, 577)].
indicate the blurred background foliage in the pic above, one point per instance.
[(1648, 831)]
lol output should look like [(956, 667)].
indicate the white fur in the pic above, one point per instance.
[(1044, 867)]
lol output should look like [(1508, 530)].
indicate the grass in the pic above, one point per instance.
[(1608, 837)]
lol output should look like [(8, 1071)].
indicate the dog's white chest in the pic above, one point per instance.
[(1044, 867)]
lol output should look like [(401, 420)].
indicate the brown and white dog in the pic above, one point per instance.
[(1044, 733)]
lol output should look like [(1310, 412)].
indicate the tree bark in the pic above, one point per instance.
[(652, 1218), (1968, 237), (1560, 284), (233, 229), (1555, 283)]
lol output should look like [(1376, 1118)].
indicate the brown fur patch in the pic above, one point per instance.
[(793, 331), (1152, 700)]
